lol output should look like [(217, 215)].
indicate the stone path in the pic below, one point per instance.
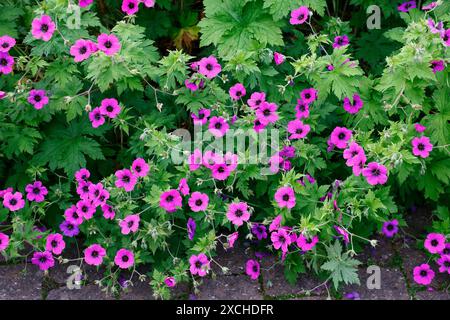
[(395, 260)]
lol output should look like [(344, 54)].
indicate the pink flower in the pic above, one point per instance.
[(423, 274), (109, 44), (341, 41), (355, 106), (406, 6), (94, 254), (140, 167), (85, 3), (6, 43), (297, 129), (252, 269), (81, 50), (435, 243), (267, 112), (170, 200), (419, 128), (238, 213), (437, 66), (124, 259), (421, 147), (443, 262), (55, 243), (38, 98), (110, 108), (201, 118), (237, 91), (36, 191), (446, 38), (96, 118), (375, 173), (430, 6), (170, 282), (6, 63), (307, 244), (285, 197), (308, 96), (343, 233), (4, 241), (259, 125), (44, 260), (108, 212), (199, 264), (85, 209), (183, 187), (299, 16), (390, 228), (353, 153), (73, 216), (256, 99), (232, 239), (275, 224), (82, 174), (13, 201), (340, 137), (125, 179), (280, 239), (195, 160), (218, 126), (43, 28), (130, 7), (209, 67), (220, 171), (278, 58), (149, 3), (358, 164), (302, 110), (83, 189), (130, 224), (198, 201)]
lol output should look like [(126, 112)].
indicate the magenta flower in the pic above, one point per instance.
[(259, 230), (256, 99), (83, 189), (170, 200), (195, 160), (423, 274), (308, 96), (81, 50), (170, 282), (140, 167), (149, 3), (275, 224), (129, 224), (237, 91), (109, 44), (278, 58), (285, 197), (252, 269), (69, 229), (85, 3), (430, 6), (198, 201), (96, 118), (44, 260), (299, 16), (94, 254), (446, 37), (4, 241), (209, 67), (355, 106), (6, 63), (199, 264), (124, 259), (55, 243), (421, 147), (340, 137), (407, 6), (13, 201), (125, 179), (341, 41), (73, 216), (220, 171), (238, 213), (267, 112), (130, 7), (419, 128), (231, 239), (82, 174), (280, 239), (191, 227), (443, 262), (6, 43), (390, 228), (302, 110), (218, 126), (85, 209), (191, 85), (437, 66), (375, 173), (36, 191), (43, 28), (435, 243), (297, 129), (95, 191), (110, 108), (343, 233), (201, 118), (108, 212), (3, 95), (436, 28), (259, 125), (183, 187), (307, 244), (353, 153), (38, 98)]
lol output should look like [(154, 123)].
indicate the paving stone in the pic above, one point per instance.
[(18, 283), (233, 287), (382, 255), (275, 283), (432, 295), (234, 259), (417, 221), (89, 292), (393, 286), (60, 275)]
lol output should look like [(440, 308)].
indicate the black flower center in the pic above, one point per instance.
[(108, 44), (109, 108), (423, 273), (44, 28), (36, 190), (341, 136), (37, 98), (421, 146), (198, 202), (434, 243), (3, 62), (83, 50), (209, 67), (169, 199), (376, 172), (239, 213), (94, 254), (5, 45), (286, 197), (126, 179), (125, 258), (13, 202)]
